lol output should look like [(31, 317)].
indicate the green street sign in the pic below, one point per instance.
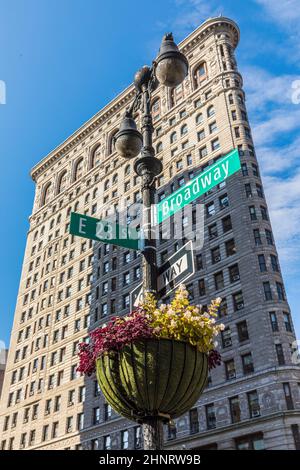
[(199, 185), (104, 231)]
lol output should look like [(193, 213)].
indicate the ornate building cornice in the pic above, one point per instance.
[(114, 106)]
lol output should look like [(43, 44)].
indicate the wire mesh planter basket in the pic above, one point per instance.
[(160, 378)]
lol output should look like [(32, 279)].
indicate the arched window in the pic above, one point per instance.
[(106, 185), (159, 147), (111, 142), (199, 74), (176, 95), (127, 170), (173, 137), (46, 194), (95, 193), (199, 118), (156, 109), (87, 198), (78, 170), (184, 129), (62, 181), (115, 178), (95, 156), (211, 111)]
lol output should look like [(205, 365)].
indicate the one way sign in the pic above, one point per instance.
[(172, 273), (176, 270)]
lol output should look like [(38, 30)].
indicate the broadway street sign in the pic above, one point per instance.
[(176, 270), (104, 231), (199, 185)]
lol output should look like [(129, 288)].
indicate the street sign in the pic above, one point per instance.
[(173, 272), (199, 185), (136, 296), (104, 230), (176, 270)]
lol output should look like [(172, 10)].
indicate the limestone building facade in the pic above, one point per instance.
[(70, 285)]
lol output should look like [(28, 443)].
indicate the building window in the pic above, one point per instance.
[(242, 330), (210, 209), (252, 442), (274, 322), (247, 362), (248, 190), (287, 322), (262, 263), (274, 263), (226, 224), (230, 247), (213, 127), (234, 274), (264, 213), (172, 431), (296, 435), (203, 152), (219, 280), (226, 337), (223, 201), (269, 237), (230, 369), (199, 262), (244, 169), (288, 396), (173, 137), (96, 415), (257, 237), (210, 416), (215, 255), (194, 421), (124, 439), (199, 75), (212, 231), (267, 290), (107, 442), (280, 354), (211, 112), (107, 411), (215, 145), (137, 437), (199, 118), (235, 409), (238, 301), (126, 301), (253, 403), (201, 135), (280, 291), (201, 286), (252, 212)]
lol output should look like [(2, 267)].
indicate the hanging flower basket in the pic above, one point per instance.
[(154, 362), (153, 377)]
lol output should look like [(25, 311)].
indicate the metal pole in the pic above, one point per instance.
[(148, 167)]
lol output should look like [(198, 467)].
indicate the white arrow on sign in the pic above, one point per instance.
[(136, 296), (176, 270), (173, 272)]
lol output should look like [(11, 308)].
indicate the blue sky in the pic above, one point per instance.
[(63, 60)]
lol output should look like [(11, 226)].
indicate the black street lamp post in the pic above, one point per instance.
[(169, 69)]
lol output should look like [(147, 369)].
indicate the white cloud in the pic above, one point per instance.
[(263, 88), (286, 13), (275, 159), (283, 196), (187, 15), (283, 11), (278, 122)]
